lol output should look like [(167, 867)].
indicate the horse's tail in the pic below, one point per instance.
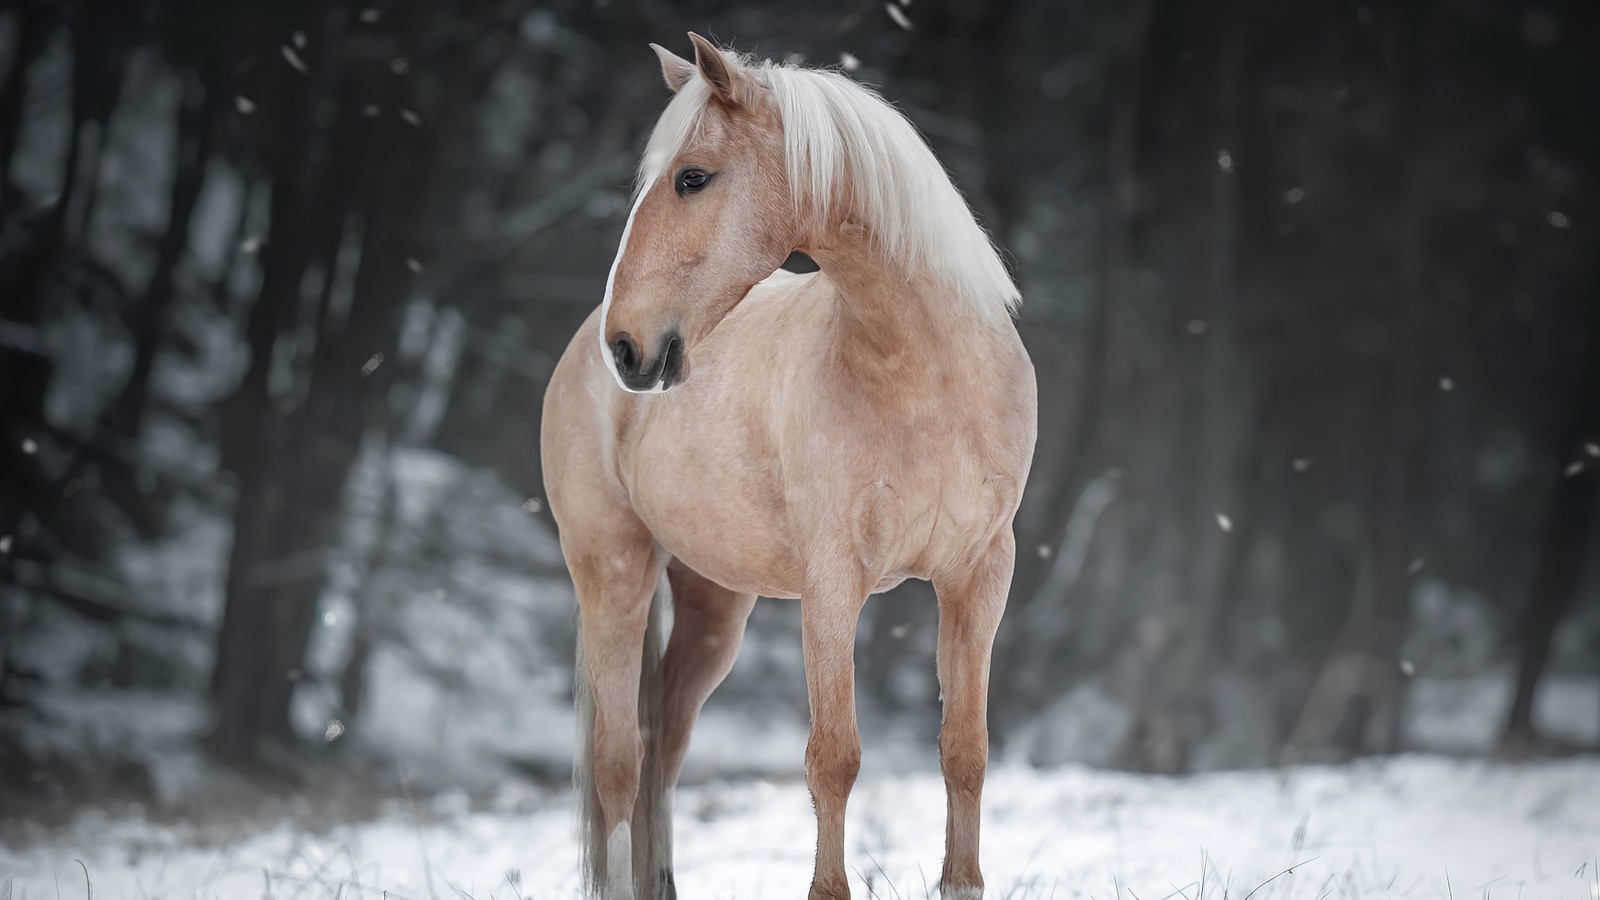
[(652, 815), (651, 829)]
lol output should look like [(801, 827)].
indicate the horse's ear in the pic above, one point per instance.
[(728, 81), (675, 69)]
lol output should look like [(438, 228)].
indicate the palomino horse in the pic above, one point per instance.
[(821, 437)]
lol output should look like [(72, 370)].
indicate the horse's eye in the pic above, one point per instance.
[(691, 180)]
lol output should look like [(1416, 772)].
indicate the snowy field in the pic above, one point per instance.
[(1416, 826)]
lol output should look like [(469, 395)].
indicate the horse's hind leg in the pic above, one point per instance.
[(970, 606), (615, 571), (707, 628)]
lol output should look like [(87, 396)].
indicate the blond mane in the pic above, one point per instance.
[(838, 133)]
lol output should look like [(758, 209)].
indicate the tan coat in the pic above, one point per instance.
[(820, 437)]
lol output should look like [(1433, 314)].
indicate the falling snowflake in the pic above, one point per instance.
[(293, 59), (532, 505), (1592, 449), (299, 39), (5, 544), (1225, 160), (1417, 565), (1225, 523), (1558, 220), (1447, 384), (414, 265), (1302, 464), (794, 59), (1197, 326), (29, 447), (371, 110), (849, 61), (1293, 195), (333, 731), (898, 15), (1408, 668), (411, 117), (1045, 551), (329, 619), (899, 631), (244, 105), (399, 65), (1364, 16), (372, 364), (370, 15), (250, 244), (1573, 469)]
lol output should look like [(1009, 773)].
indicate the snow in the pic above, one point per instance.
[(1412, 826)]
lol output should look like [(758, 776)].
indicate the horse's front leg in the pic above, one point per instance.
[(615, 571), (970, 606), (829, 608)]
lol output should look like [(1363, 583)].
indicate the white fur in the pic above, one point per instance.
[(619, 864), (835, 131), (607, 358)]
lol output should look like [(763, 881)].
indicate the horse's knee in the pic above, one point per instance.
[(832, 763), (964, 758)]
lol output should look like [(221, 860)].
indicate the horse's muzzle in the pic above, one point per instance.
[(647, 376)]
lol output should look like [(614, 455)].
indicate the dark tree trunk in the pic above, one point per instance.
[(1173, 707), (1116, 251), (255, 644), (1561, 547), (1358, 702), (294, 473)]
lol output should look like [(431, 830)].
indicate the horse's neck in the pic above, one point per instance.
[(887, 315)]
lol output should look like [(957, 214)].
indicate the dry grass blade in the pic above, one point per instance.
[(1288, 871), (88, 886)]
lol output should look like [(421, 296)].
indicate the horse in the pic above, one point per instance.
[(721, 428)]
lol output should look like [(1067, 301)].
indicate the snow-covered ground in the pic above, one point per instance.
[(1416, 826)]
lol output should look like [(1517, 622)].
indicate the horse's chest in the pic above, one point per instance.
[(720, 511)]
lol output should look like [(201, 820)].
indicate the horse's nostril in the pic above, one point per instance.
[(627, 354), (672, 362)]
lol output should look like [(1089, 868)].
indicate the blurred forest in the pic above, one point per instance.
[(1313, 291)]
